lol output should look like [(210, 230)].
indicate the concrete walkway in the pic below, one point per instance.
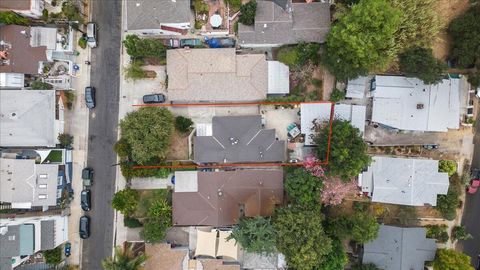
[(151, 183)]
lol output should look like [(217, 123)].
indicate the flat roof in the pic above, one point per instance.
[(150, 14)]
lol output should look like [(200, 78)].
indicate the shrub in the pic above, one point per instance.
[(247, 13), (235, 27), (460, 233), (82, 42), (200, 7), (53, 257), (139, 48), (70, 98), (131, 222), (39, 85), (234, 4), (255, 235), (465, 33), (154, 230), (303, 188), (438, 232), (45, 15), (419, 62), (122, 148), (337, 95), (198, 24), (447, 166), (134, 71), (65, 140), (288, 56), (447, 204), (183, 124), (125, 201), (308, 53), (316, 82), (10, 17), (129, 172), (474, 79)]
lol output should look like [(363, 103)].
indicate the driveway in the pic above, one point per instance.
[(103, 131)]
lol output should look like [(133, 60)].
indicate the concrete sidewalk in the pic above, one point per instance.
[(151, 183)]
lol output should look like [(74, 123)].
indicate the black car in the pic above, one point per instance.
[(90, 97), (84, 229), (154, 98), (87, 176), (85, 200)]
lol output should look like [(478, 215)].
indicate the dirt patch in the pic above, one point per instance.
[(178, 146), (447, 11)]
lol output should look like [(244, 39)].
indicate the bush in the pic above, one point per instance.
[(122, 148), (39, 85), (82, 42), (154, 230), (53, 257), (65, 139), (45, 15), (308, 53), (474, 79), (125, 201), (10, 17), (337, 95), (460, 233), (129, 172), (234, 4), (247, 13), (465, 33), (420, 62), (447, 166), (447, 204), (200, 7), (198, 24), (303, 188), (288, 56), (139, 48), (70, 98), (255, 235), (235, 27), (71, 11), (183, 124), (131, 222), (316, 82), (438, 232), (134, 71)]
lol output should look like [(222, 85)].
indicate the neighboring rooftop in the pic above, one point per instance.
[(356, 88), (404, 181), (400, 249), (7, 5), (221, 198), (408, 104), (236, 139), (25, 184), (149, 14), (162, 257), (21, 56), (276, 25), (27, 118), (320, 112), (222, 75)]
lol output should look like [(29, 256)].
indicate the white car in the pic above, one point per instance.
[(92, 34)]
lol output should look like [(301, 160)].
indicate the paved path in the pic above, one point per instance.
[(151, 183), (105, 76)]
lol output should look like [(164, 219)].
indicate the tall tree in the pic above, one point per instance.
[(420, 62), (348, 152), (465, 32), (449, 259), (124, 260), (255, 235), (336, 259), (362, 40), (148, 132), (303, 188), (301, 238)]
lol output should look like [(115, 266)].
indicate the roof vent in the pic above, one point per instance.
[(3, 230), (420, 106), (137, 4)]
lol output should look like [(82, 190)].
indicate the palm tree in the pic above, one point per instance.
[(124, 259)]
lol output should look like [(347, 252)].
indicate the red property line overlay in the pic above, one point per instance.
[(230, 104)]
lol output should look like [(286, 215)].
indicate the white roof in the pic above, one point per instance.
[(186, 181), (27, 118), (206, 243), (356, 88), (13, 80), (404, 181), (312, 112), (278, 78), (43, 36), (408, 104)]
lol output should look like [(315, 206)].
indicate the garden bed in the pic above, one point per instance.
[(55, 156), (178, 146), (147, 197)]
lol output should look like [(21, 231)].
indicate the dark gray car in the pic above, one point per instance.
[(90, 97), (84, 228), (154, 98), (85, 200)]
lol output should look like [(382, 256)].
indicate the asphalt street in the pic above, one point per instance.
[(105, 76), (471, 216)]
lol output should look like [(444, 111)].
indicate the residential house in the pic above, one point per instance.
[(25, 184), (154, 17), (30, 118), (409, 104), (220, 198), (163, 257), (316, 113), (22, 237), (28, 8), (211, 75), (398, 248), (404, 181), (34, 51), (282, 22), (237, 139)]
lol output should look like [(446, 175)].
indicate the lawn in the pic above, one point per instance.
[(55, 156), (147, 196)]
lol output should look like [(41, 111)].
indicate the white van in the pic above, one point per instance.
[(92, 34)]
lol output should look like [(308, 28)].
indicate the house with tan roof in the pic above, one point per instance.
[(215, 75)]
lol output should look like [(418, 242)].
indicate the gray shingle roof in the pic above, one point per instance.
[(400, 249), (149, 14), (308, 22), (238, 139), (48, 234), (10, 242)]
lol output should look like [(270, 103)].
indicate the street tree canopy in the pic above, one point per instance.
[(148, 132), (348, 152), (449, 259), (465, 32), (303, 188), (419, 62), (301, 238), (255, 235), (362, 40), (125, 201)]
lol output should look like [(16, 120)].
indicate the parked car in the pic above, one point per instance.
[(92, 34), (90, 97), (190, 42), (84, 228), (171, 42), (68, 249), (473, 187), (430, 146), (220, 42), (478, 263), (85, 200), (87, 176), (154, 98)]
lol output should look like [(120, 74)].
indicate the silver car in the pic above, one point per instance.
[(92, 34)]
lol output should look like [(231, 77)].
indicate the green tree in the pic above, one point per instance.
[(460, 233), (65, 139), (134, 71), (183, 124), (247, 13), (303, 188), (447, 166), (255, 235), (148, 132), (122, 148), (154, 230), (71, 11), (348, 152), (9, 17), (447, 204), (125, 201), (364, 227), (337, 95), (138, 48), (301, 238), (53, 257), (39, 85), (474, 79), (449, 259), (362, 40), (124, 260), (82, 42), (419, 62), (419, 23), (336, 259), (465, 32), (439, 232)]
